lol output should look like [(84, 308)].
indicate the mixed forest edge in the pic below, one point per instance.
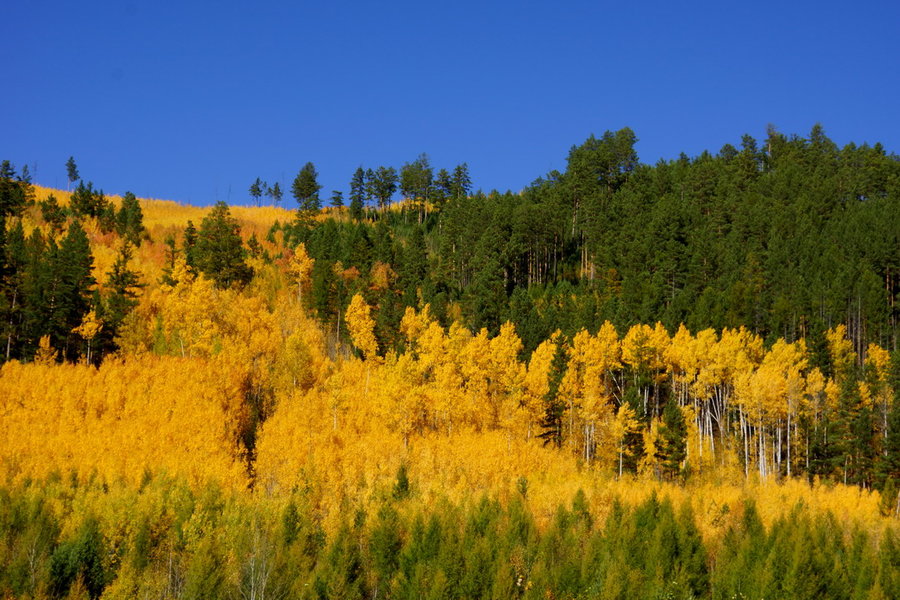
[(699, 352)]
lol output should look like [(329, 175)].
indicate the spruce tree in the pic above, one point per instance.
[(461, 184), (69, 292), (275, 193), (171, 254), (306, 189), (384, 184), (890, 463), (672, 439), (554, 406), (443, 188), (357, 194), (12, 287), (220, 251), (189, 245), (257, 188), (122, 284), (86, 201), (130, 219), (52, 213), (71, 172)]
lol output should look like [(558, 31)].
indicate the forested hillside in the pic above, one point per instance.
[(787, 238), (438, 392)]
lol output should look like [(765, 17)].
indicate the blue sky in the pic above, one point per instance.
[(192, 101)]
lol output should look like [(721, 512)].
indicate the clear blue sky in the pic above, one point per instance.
[(188, 100)]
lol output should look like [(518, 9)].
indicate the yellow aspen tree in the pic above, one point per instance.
[(362, 332), (680, 364), (737, 354), (537, 381), (636, 348), (640, 354), (413, 324), (474, 360), (572, 387), (191, 313), (397, 399), (771, 397), (431, 349), (336, 388), (89, 328), (45, 354), (659, 342), (599, 360), (609, 355), (649, 463), (381, 276), (442, 378), (300, 269), (625, 424), (789, 363), (709, 386), (362, 327), (841, 350), (507, 380), (878, 369)]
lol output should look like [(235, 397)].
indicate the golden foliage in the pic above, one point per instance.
[(129, 416), (362, 327), (300, 269), (45, 354), (199, 368)]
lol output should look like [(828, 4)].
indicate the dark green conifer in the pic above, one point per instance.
[(220, 251)]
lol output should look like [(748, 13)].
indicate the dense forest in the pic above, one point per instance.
[(788, 239), (625, 380)]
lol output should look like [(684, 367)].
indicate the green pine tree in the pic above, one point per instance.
[(357, 194), (220, 252), (306, 190), (672, 439), (130, 219)]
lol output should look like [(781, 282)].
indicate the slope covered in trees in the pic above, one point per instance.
[(788, 239), (200, 402)]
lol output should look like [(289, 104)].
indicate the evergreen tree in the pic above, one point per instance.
[(171, 254), (275, 193), (12, 286), (189, 245), (890, 464), (672, 439), (461, 184), (443, 188), (415, 182), (52, 213), (25, 175), (71, 172), (220, 251), (337, 198), (68, 293), (413, 268), (357, 194), (13, 193), (130, 219), (257, 189), (86, 201), (370, 186), (81, 558), (13, 197), (306, 189), (554, 406), (384, 184), (122, 284)]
